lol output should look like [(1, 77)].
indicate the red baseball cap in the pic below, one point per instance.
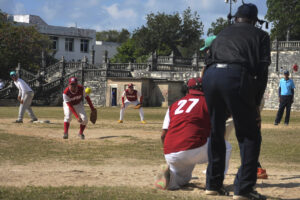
[(73, 80), (195, 86), (130, 85)]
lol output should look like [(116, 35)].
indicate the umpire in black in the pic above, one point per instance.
[(236, 80)]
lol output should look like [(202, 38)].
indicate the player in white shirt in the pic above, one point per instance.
[(25, 97)]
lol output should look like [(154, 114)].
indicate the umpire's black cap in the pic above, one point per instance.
[(247, 10)]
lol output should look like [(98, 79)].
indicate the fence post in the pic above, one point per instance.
[(18, 70), (83, 67), (172, 58), (195, 61), (63, 73), (277, 54)]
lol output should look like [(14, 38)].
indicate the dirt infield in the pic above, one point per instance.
[(282, 183)]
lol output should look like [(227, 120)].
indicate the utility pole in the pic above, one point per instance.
[(230, 9)]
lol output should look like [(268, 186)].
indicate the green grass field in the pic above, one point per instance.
[(281, 145)]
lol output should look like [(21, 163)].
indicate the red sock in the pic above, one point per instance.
[(82, 127), (66, 127)]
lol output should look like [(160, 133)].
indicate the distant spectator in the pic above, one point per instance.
[(286, 98)]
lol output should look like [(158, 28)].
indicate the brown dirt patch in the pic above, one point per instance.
[(282, 183)]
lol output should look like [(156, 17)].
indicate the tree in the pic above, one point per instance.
[(217, 27), (165, 33), (125, 52), (113, 36), (285, 16), (20, 44)]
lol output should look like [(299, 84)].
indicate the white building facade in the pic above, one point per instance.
[(70, 42)]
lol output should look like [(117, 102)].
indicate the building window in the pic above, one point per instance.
[(54, 44), (69, 44), (84, 46)]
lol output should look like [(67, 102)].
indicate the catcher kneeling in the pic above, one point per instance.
[(73, 103), (185, 135)]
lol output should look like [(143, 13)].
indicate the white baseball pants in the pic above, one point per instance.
[(26, 105), (79, 108), (126, 104), (182, 164)]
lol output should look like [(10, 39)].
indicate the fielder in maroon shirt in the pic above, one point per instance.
[(131, 97), (73, 103)]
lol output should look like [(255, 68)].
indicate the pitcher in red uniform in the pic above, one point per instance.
[(73, 103), (186, 130), (131, 96)]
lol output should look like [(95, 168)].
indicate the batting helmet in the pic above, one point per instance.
[(130, 85), (73, 80)]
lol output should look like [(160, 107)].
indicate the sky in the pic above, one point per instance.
[(117, 14)]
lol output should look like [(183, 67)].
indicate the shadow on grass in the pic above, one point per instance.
[(292, 177), (280, 185), (192, 186), (106, 137)]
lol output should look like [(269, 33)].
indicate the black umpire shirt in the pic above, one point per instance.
[(245, 44)]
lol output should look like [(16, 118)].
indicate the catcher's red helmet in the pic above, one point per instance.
[(195, 85)]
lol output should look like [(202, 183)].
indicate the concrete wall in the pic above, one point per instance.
[(98, 86), (155, 92)]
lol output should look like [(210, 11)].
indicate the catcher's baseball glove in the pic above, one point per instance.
[(137, 106), (93, 116)]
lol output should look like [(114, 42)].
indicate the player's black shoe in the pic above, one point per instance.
[(253, 195), (66, 136), (81, 136), (220, 191), (18, 121)]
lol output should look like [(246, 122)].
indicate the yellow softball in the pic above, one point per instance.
[(88, 90)]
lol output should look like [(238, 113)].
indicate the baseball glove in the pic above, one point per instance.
[(93, 116), (137, 106)]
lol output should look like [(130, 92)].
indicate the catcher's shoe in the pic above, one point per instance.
[(66, 136), (262, 173), (81, 136), (120, 121), (220, 192), (18, 121), (143, 122), (253, 195), (163, 178)]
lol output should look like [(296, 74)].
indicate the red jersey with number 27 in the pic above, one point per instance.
[(189, 125)]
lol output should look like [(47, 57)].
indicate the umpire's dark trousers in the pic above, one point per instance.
[(230, 87), (285, 102)]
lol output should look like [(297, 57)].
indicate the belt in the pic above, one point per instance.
[(225, 65)]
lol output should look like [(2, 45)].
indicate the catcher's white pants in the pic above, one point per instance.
[(26, 106), (79, 108), (182, 164), (126, 104)]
